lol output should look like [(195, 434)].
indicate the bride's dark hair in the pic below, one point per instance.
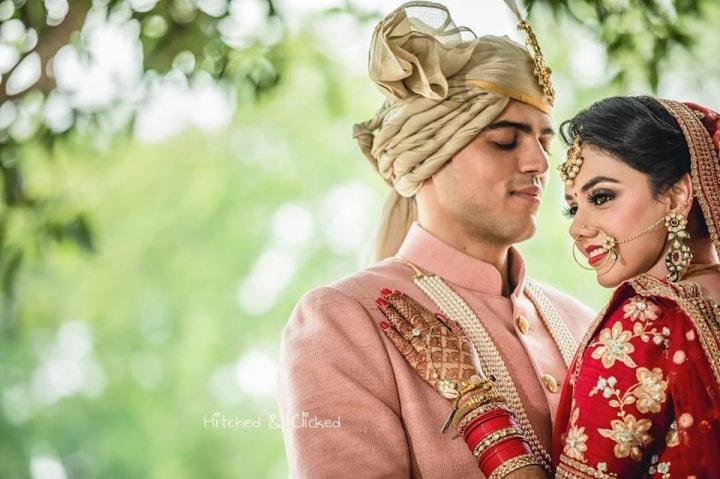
[(638, 131)]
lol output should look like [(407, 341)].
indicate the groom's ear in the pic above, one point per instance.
[(681, 194)]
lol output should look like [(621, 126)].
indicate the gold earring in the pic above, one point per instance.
[(678, 258)]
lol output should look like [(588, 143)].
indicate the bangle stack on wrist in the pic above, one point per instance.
[(490, 430)]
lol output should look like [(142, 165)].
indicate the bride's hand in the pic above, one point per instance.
[(528, 472), (435, 346)]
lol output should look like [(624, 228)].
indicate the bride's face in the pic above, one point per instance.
[(610, 196)]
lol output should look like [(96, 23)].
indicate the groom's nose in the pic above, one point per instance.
[(533, 159)]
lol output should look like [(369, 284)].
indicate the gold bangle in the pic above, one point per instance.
[(463, 392), (488, 406), (474, 403), (513, 464), (468, 408), (474, 414), (479, 396), (494, 438), (475, 382)]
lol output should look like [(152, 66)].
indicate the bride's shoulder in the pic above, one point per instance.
[(648, 285), (646, 295), (686, 297)]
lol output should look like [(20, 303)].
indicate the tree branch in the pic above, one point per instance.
[(48, 45)]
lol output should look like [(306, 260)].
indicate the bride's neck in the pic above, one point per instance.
[(703, 251)]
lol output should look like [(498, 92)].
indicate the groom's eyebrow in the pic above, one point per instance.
[(524, 127)]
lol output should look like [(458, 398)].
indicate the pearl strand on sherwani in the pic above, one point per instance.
[(493, 366)]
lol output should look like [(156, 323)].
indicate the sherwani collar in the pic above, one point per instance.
[(433, 255)]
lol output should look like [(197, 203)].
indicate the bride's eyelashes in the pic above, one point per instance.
[(600, 197), (594, 198)]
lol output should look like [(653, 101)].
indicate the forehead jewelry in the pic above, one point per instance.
[(571, 167)]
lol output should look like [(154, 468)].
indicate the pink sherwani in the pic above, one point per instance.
[(353, 407)]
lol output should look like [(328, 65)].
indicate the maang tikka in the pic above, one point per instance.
[(571, 167)]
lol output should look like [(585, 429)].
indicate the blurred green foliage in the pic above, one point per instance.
[(178, 226), (196, 37)]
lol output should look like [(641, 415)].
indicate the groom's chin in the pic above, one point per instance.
[(528, 231)]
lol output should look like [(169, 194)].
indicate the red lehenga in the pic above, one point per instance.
[(643, 395)]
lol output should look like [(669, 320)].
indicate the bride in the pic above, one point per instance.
[(642, 397)]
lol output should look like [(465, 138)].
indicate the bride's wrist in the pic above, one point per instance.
[(492, 432)]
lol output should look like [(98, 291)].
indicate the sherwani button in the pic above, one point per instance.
[(551, 383), (523, 324)]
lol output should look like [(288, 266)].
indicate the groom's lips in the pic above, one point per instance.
[(531, 194)]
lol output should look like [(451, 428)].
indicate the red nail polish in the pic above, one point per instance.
[(384, 325), (397, 293), (386, 292), (381, 302)]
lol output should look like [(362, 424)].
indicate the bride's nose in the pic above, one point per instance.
[(578, 230)]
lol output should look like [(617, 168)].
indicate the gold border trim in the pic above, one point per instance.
[(512, 465), (538, 102), (704, 167), (702, 311), (571, 469)]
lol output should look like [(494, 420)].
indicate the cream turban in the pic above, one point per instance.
[(442, 86)]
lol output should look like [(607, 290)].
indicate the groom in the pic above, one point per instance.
[(462, 140)]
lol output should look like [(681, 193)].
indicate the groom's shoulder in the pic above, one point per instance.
[(364, 286), (355, 293)]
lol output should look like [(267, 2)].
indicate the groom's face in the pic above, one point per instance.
[(492, 188)]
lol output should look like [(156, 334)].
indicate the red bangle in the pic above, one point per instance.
[(500, 413), (491, 425), (482, 431), (499, 454)]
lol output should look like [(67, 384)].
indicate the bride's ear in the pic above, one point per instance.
[(681, 195)]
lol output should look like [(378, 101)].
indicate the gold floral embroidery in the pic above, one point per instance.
[(662, 468), (701, 311), (614, 345), (572, 469), (672, 438), (644, 312), (630, 436), (641, 309), (576, 439), (648, 395), (650, 390)]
